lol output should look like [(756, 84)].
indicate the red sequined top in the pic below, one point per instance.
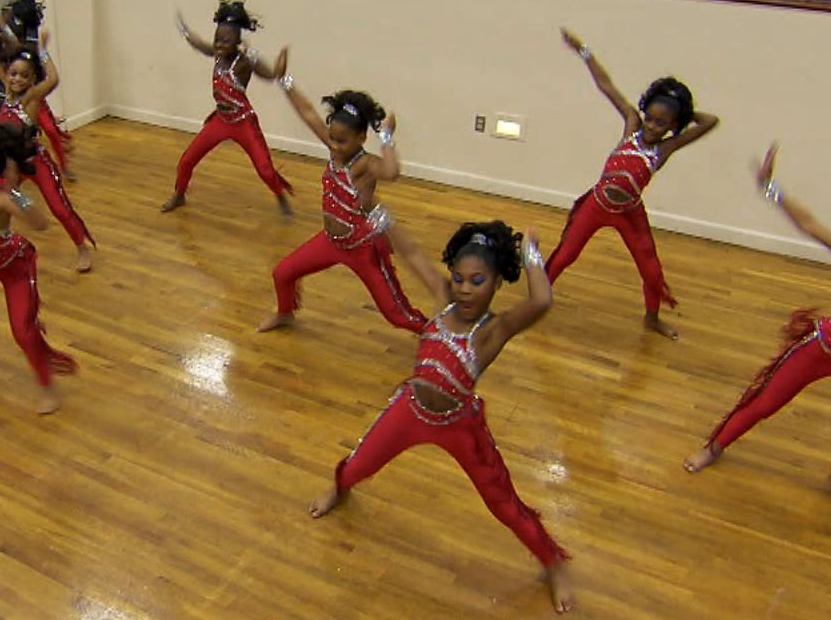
[(341, 203), (629, 169), (229, 93), (447, 360)]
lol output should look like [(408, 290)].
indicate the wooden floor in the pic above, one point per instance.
[(173, 485)]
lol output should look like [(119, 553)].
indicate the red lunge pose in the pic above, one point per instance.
[(349, 236), (616, 199), (18, 274), (24, 95), (438, 404), (805, 356), (234, 118)]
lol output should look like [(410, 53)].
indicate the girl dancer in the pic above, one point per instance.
[(805, 356), (234, 118), (437, 405), (24, 95), (349, 206), (23, 21), (616, 199), (18, 274)]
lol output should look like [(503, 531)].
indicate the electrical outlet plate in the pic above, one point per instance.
[(509, 127), (479, 123)]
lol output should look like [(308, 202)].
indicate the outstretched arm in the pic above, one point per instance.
[(798, 214), (631, 118), (417, 262), (299, 101), (703, 124), (195, 41), (387, 167)]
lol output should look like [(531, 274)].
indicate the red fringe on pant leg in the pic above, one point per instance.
[(794, 335), (666, 295), (59, 363), (571, 214), (492, 458)]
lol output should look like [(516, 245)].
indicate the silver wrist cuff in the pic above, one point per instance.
[(44, 56), (380, 219), (23, 202), (585, 53), (252, 55), (7, 30), (531, 255), (773, 192), (286, 82), (385, 138)]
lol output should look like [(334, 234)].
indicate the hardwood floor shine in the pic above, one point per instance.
[(174, 482)]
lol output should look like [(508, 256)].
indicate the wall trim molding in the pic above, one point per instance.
[(753, 239)]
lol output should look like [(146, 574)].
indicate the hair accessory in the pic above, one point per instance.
[(286, 82), (26, 55), (481, 239), (351, 109)]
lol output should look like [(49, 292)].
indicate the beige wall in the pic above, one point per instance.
[(440, 62)]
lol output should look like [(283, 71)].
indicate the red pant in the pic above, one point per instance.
[(19, 280), (48, 180), (57, 137), (802, 363), (371, 262), (247, 134), (586, 218), (467, 440)]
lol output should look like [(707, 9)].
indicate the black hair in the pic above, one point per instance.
[(26, 53), (670, 91), (234, 14), (355, 110), (26, 17), (18, 145), (495, 243)]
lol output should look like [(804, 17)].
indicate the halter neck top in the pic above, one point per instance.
[(229, 93), (341, 203)]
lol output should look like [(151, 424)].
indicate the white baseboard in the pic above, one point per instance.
[(85, 118), (756, 240)]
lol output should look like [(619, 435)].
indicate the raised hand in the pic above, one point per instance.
[(765, 171), (282, 64), (389, 123), (44, 38), (571, 40)]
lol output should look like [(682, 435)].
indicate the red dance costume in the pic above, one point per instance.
[(446, 361), (47, 177), (58, 138), (234, 119), (18, 273), (362, 250), (805, 358), (628, 169)]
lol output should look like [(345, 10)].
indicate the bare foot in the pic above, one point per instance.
[(48, 401), (276, 320), (651, 321), (285, 204), (84, 260), (702, 458), (561, 595), (326, 502), (174, 202)]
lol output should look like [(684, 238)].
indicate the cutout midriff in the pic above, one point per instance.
[(616, 195), (432, 398), (335, 228)]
